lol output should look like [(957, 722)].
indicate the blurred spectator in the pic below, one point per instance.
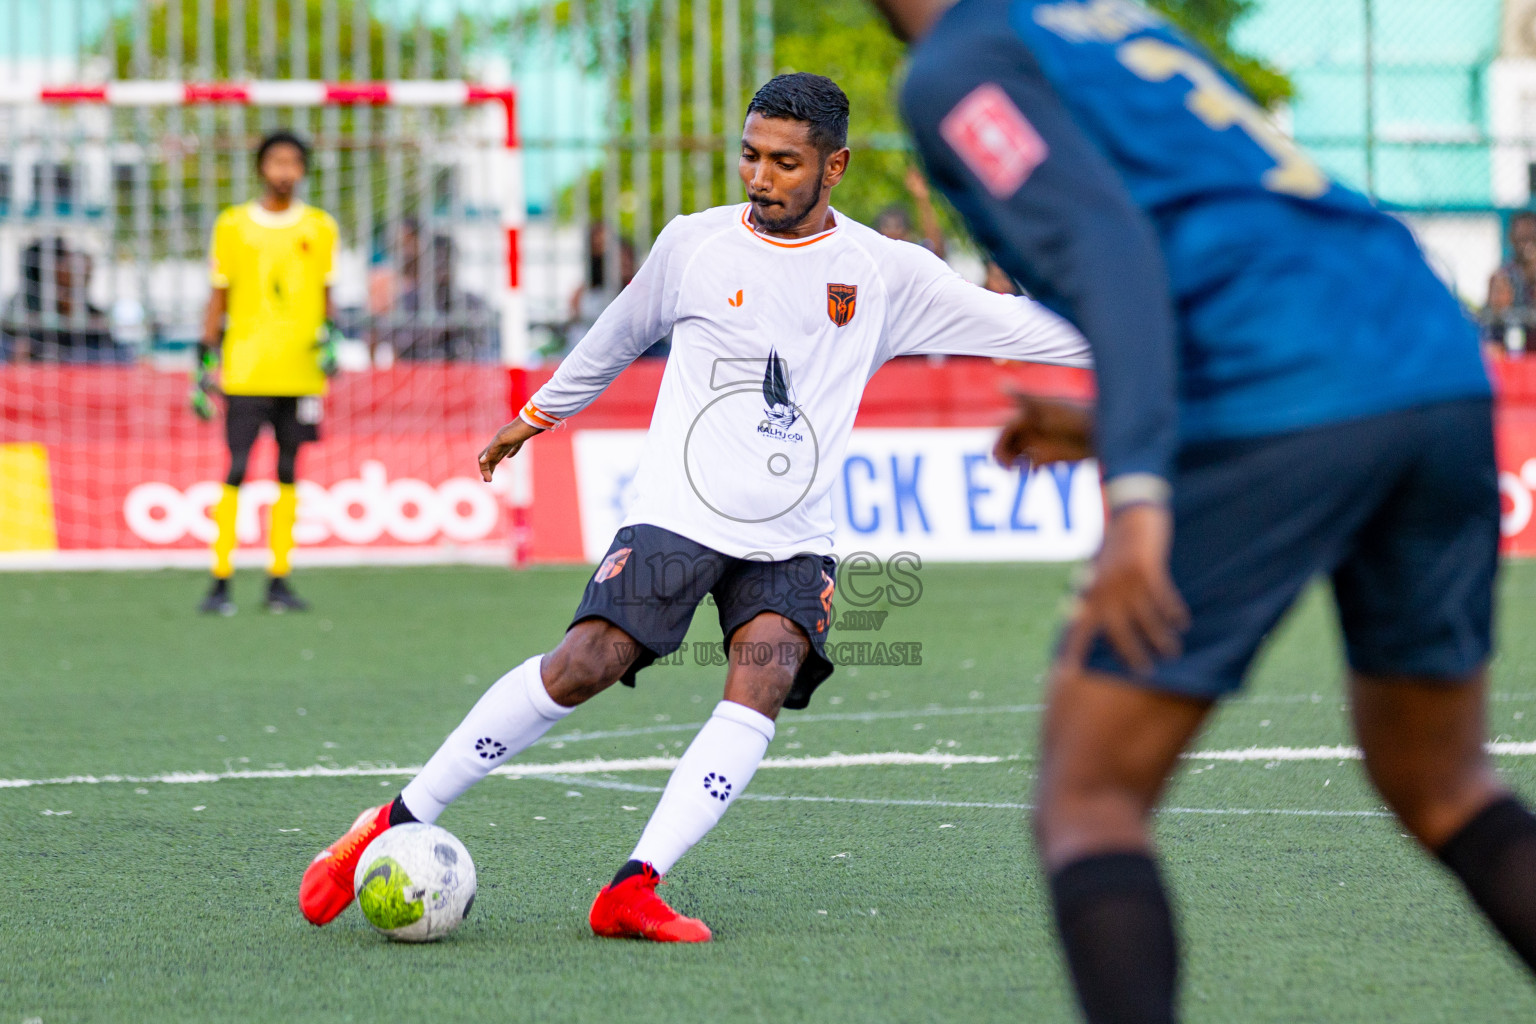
[(51, 318), (999, 281), (895, 222), (592, 296), (417, 312), (1512, 287)]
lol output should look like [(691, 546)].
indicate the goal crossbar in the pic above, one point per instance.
[(510, 302)]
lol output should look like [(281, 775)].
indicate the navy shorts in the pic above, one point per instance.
[(1401, 510), (652, 579)]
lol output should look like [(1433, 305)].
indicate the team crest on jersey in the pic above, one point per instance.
[(840, 302), (612, 565), (779, 410)]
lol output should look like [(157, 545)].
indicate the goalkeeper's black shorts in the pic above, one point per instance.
[(295, 420)]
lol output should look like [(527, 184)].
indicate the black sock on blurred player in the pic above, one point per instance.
[(1494, 855), (1117, 930), (399, 814)]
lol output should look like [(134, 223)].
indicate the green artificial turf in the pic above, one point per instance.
[(884, 901)]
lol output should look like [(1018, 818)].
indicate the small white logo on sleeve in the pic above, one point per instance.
[(994, 138)]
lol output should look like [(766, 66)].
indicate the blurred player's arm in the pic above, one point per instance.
[(998, 141), (329, 340), (1045, 430), (206, 360), (640, 316)]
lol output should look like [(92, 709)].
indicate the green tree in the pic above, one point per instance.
[(128, 31), (1211, 23), (847, 41), (214, 144)]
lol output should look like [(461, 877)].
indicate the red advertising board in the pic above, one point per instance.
[(100, 462)]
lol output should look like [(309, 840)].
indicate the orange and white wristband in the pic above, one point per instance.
[(536, 417)]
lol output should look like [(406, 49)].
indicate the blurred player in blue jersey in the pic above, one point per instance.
[(1285, 391)]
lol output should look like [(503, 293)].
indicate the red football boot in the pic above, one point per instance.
[(632, 910), (327, 886)]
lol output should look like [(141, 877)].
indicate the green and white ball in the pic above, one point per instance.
[(415, 883)]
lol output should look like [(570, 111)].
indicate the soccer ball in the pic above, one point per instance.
[(415, 883)]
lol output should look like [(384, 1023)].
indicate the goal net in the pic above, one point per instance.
[(107, 200)]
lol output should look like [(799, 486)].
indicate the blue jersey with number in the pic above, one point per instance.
[(1062, 129)]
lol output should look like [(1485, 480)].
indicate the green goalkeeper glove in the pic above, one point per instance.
[(204, 384), (328, 341)]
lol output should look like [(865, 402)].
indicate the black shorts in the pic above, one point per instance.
[(295, 420), (652, 580), (1401, 510)]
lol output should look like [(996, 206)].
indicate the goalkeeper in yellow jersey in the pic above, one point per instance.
[(270, 269)]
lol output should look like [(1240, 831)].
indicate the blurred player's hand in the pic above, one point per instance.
[(205, 384), (330, 338), (201, 403), (507, 443), (1045, 430), (1130, 598)]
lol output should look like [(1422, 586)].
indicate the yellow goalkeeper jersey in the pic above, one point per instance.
[(276, 267)]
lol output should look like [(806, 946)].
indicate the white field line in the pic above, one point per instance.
[(598, 765), (834, 716), (946, 712), (1284, 812), (592, 766)]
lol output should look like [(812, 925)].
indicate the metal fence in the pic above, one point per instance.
[(630, 108), (628, 115), (1425, 106)]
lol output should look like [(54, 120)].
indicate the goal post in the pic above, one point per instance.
[(506, 173), (107, 199)]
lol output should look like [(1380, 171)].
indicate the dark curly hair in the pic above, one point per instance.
[(812, 99)]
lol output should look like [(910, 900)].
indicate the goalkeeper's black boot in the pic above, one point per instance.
[(280, 599), (218, 601)]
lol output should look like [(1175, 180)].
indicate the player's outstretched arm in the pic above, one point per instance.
[(937, 312), (509, 440), (641, 315)]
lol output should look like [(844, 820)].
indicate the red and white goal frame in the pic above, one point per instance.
[(512, 308), (390, 481)]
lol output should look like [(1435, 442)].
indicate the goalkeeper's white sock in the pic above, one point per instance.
[(514, 712), (713, 772)]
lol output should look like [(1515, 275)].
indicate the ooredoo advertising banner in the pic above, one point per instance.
[(106, 466)]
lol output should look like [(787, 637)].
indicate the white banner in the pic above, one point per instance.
[(934, 492)]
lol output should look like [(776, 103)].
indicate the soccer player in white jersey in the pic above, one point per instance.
[(780, 310)]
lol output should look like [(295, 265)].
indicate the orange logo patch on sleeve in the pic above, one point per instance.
[(737, 300), (840, 302), (612, 565)]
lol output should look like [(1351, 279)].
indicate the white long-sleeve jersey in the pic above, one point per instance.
[(773, 341)]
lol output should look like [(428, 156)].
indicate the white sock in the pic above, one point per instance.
[(714, 770), (514, 712)]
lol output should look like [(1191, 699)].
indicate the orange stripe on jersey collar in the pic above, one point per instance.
[(746, 222)]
